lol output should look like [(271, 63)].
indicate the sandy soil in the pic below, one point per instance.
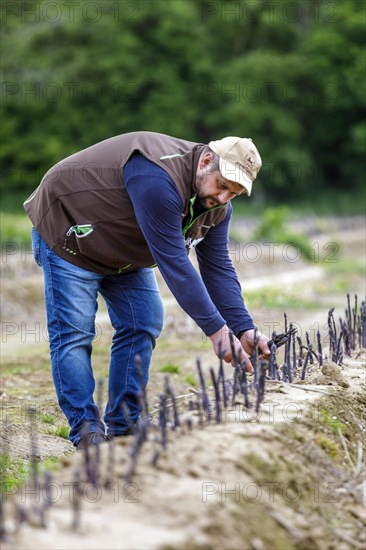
[(254, 481)]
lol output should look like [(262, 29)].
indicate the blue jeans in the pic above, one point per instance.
[(136, 313)]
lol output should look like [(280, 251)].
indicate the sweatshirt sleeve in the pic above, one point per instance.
[(220, 277), (158, 209)]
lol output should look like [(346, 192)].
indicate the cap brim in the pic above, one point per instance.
[(233, 172)]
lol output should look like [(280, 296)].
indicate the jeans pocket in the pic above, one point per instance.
[(36, 246)]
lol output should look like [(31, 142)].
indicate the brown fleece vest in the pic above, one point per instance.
[(82, 209)]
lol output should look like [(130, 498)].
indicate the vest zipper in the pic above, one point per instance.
[(191, 221)]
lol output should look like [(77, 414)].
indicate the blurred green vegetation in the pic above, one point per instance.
[(190, 380), (12, 473), (272, 228), (290, 75), (277, 297), (15, 228), (169, 367), (62, 431), (332, 421)]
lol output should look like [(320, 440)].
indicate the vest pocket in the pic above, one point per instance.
[(80, 231)]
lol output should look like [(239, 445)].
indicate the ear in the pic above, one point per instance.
[(205, 160)]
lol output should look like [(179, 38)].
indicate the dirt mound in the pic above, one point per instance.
[(289, 476)]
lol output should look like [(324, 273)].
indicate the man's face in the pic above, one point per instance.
[(212, 188)]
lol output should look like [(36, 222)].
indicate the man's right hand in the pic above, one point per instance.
[(221, 344)]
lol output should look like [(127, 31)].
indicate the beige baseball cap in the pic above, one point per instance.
[(239, 160)]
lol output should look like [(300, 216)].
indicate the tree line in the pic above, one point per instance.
[(290, 75)]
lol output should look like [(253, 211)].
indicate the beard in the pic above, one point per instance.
[(205, 201)]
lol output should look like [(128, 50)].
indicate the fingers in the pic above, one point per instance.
[(238, 356), (263, 345), (233, 353), (248, 366), (244, 359), (247, 341), (226, 355)]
